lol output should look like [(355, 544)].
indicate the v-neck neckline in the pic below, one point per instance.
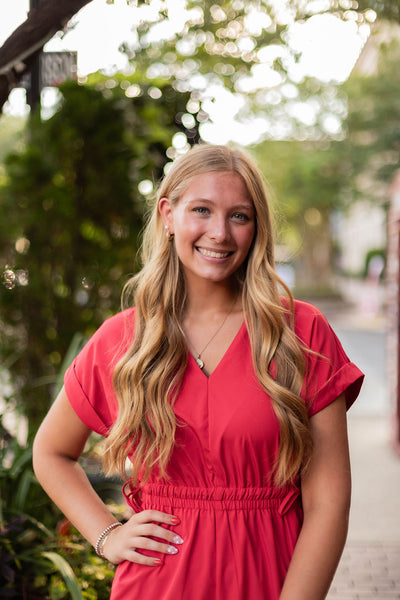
[(226, 353)]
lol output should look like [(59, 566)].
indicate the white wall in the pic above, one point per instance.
[(361, 228)]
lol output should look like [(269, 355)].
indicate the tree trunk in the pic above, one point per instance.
[(315, 265), (19, 51)]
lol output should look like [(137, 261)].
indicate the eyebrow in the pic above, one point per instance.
[(247, 206)]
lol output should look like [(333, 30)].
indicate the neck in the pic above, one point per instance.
[(210, 297)]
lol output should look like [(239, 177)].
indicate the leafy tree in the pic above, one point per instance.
[(70, 215), (373, 123), (385, 9), (11, 133), (226, 36), (307, 179), (245, 48), (326, 176)]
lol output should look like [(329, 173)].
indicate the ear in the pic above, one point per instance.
[(165, 210)]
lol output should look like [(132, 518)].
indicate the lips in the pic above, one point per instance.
[(213, 253)]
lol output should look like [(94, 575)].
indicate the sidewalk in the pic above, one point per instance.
[(367, 571), (370, 565)]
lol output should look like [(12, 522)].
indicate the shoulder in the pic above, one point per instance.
[(88, 380), (119, 324), (310, 324), (114, 336), (306, 315)]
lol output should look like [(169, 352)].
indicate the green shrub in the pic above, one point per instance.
[(41, 555)]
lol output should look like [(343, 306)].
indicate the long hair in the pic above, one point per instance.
[(147, 379)]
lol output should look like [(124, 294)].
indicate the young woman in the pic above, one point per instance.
[(228, 399)]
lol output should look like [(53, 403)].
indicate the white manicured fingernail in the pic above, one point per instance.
[(172, 550), (177, 539)]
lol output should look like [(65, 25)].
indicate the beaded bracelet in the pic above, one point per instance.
[(103, 536)]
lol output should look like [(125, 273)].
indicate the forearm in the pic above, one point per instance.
[(325, 491), (68, 486), (58, 445), (316, 555), (66, 483)]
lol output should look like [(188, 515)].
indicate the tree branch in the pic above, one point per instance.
[(19, 51)]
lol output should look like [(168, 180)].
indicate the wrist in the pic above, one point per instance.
[(101, 540)]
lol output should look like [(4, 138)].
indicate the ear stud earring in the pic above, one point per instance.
[(170, 236)]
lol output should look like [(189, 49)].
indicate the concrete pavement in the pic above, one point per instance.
[(370, 565)]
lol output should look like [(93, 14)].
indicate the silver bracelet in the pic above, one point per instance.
[(103, 536)]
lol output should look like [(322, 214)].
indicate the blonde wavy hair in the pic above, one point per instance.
[(148, 377)]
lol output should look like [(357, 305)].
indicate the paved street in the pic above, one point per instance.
[(370, 566), (368, 572)]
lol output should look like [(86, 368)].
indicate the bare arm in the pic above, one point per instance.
[(326, 490), (58, 445)]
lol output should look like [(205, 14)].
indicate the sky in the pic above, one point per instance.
[(329, 49)]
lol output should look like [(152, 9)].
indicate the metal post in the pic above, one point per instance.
[(33, 92)]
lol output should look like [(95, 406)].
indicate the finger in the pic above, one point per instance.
[(146, 516), (145, 543), (156, 531), (141, 559)]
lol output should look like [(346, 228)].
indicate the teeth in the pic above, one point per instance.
[(213, 254)]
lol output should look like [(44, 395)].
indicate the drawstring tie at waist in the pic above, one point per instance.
[(159, 496)]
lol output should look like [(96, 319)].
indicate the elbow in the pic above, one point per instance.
[(340, 514), (42, 456), (330, 501), (343, 501), (331, 511), (37, 456), (331, 496)]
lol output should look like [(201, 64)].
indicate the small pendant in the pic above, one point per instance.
[(199, 362)]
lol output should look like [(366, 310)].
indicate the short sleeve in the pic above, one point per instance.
[(88, 380), (329, 371)]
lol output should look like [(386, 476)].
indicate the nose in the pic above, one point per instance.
[(220, 231)]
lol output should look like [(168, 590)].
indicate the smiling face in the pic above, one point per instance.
[(213, 223)]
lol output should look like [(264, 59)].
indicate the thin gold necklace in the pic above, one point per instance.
[(198, 358)]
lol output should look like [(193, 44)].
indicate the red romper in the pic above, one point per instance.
[(239, 533)]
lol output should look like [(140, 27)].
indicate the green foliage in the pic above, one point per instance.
[(10, 133), (244, 47), (372, 254), (386, 9), (308, 180), (67, 574), (35, 562), (373, 122), (70, 216), (216, 41), (303, 175), (216, 45)]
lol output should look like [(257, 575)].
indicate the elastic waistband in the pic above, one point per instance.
[(215, 498)]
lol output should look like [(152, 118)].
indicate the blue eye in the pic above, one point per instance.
[(201, 210), (240, 216)]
